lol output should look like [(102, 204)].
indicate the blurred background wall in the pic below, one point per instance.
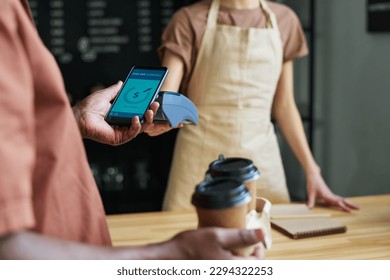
[(353, 97), (350, 94)]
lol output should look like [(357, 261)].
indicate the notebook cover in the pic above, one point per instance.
[(307, 227), (296, 220)]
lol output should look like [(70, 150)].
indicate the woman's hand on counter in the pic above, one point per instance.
[(318, 191)]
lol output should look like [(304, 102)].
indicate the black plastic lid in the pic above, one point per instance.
[(220, 194), (239, 168)]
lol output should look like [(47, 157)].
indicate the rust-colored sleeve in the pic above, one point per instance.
[(293, 36), (17, 144), (179, 38)]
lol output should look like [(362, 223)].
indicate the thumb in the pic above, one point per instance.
[(234, 238), (112, 91)]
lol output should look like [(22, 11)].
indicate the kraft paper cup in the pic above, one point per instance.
[(222, 203)]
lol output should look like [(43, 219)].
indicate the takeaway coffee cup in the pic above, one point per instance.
[(222, 203), (240, 169)]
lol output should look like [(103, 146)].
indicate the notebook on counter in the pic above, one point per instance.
[(297, 221)]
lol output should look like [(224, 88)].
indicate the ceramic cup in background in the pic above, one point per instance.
[(240, 169)]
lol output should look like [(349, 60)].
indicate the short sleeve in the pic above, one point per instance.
[(293, 36), (17, 127), (178, 38)]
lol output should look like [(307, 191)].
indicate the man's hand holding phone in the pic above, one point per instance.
[(91, 111)]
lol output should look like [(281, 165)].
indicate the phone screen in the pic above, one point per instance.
[(136, 94)]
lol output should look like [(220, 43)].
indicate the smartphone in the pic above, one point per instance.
[(139, 90)]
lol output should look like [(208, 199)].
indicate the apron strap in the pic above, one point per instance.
[(271, 19), (213, 14)]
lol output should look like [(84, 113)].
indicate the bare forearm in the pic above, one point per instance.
[(291, 126), (285, 111), (206, 243), (29, 245), (176, 71)]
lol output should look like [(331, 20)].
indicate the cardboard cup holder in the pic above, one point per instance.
[(261, 218)]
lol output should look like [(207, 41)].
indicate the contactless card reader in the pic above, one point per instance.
[(175, 108)]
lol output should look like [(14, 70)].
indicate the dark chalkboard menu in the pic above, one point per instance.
[(95, 43), (378, 15)]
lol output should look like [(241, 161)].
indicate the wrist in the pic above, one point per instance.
[(168, 250), (76, 111), (312, 169), (177, 248), (181, 244), (79, 116)]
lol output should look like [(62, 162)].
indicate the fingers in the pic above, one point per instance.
[(151, 112), (121, 134), (154, 107), (351, 205), (235, 238), (134, 130), (248, 238), (149, 117), (339, 201), (311, 200), (258, 254), (345, 205), (157, 129)]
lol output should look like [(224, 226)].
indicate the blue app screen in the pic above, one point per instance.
[(137, 93)]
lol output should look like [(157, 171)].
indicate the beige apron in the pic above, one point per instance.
[(233, 86)]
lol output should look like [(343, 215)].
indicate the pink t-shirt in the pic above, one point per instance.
[(46, 185), (185, 31)]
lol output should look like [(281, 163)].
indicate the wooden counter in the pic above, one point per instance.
[(367, 237)]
